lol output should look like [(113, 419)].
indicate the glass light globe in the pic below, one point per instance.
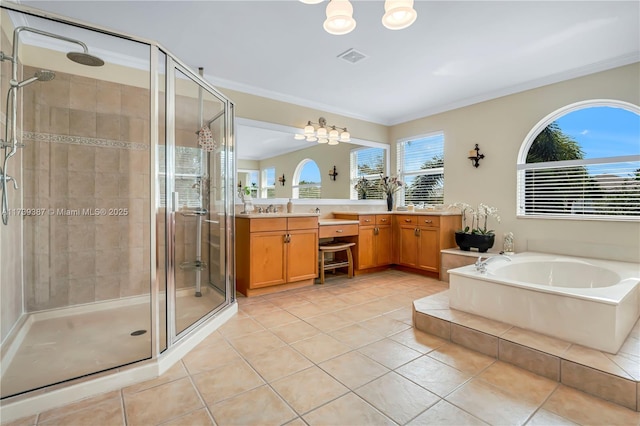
[(339, 17), (399, 14)]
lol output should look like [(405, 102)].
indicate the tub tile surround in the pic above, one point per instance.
[(613, 377), (405, 376)]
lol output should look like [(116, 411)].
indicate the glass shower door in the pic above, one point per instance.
[(197, 275)]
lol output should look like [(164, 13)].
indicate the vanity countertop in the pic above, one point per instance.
[(328, 222), (420, 212), (274, 215)]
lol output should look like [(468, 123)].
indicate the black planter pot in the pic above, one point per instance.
[(479, 241)]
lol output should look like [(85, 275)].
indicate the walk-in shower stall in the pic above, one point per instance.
[(116, 186)]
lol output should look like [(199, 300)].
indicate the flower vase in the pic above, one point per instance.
[(389, 202)]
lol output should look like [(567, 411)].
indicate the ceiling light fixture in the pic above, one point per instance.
[(324, 133), (399, 14)]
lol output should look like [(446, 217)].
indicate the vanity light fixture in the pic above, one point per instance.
[(333, 173), (324, 133), (282, 180), (475, 156), (399, 14)]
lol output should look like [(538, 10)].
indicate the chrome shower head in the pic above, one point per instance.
[(84, 58)]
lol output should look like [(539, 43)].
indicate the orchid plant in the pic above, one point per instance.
[(478, 216), (389, 185)]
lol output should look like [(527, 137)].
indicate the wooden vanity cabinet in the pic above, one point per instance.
[(419, 239), (273, 252), (374, 244)]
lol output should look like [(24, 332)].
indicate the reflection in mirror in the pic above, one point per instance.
[(272, 150)]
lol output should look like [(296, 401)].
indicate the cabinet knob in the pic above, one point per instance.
[(367, 220), (428, 221), (339, 231), (383, 220), (407, 220)]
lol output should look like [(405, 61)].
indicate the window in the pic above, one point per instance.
[(582, 162), (421, 168), (189, 166), (306, 180), (369, 164), (268, 183)]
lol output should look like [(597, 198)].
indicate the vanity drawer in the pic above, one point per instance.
[(367, 219), (404, 219), (328, 231), (429, 221), (383, 219), (302, 223), (268, 224)]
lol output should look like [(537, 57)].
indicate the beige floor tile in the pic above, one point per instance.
[(321, 347), (203, 358), (330, 304), (275, 318), (384, 325), (306, 310), (595, 359), (628, 362), (226, 382), (397, 397), (462, 358), (161, 403), (404, 315), (309, 389), (286, 301), (353, 369), (485, 325), (383, 306), (355, 336), (543, 417), (296, 422), (631, 345), (445, 414), (240, 326), (355, 314), (196, 418), (537, 341), (279, 362), (107, 412), (261, 307), (260, 406), (433, 375), (419, 340), (389, 353), (491, 404), (328, 322), (295, 331), (256, 343), (588, 410), (347, 410), (358, 297), (516, 381), (24, 421), (78, 406)]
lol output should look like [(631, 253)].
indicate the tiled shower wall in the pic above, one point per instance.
[(87, 147)]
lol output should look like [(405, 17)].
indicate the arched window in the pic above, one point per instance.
[(306, 180), (582, 162)]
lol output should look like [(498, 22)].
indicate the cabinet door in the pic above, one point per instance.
[(366, 252), (302, 254), (383, 246), (428, 250), (408, 243), (267, 262)]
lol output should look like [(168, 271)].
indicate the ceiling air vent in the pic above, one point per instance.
[(352, 56)]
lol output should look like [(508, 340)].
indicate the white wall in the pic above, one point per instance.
[(499, 127)]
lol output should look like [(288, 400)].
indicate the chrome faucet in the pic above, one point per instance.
[(269, 209), (481, 265)]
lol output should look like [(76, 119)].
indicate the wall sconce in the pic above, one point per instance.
[(282, 180), (325, 133), (333, 173), (475, 156)]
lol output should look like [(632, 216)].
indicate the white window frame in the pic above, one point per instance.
[(264, 187), (295, 187), (353, 171), (403, 174), (523, 166)]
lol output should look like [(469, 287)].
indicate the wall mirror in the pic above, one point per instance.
[(266, 152)]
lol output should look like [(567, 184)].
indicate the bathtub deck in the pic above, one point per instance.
[(613, 377)]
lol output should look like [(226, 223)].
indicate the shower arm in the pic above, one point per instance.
[(14, 76)]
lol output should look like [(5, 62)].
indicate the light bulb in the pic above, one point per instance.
[(311, 138), (309, 130), (298, 137), (333, 133), (323, 140), (333, 142), (322, 132), (345, 137), (399, 14)]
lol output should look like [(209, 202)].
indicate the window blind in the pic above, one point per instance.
[(367, 163), (594, 188), (421, 168), (189, 169)]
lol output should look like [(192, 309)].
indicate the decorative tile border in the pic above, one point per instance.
[(79, 140)]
